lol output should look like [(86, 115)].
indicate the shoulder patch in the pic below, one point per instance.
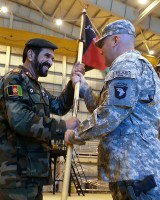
[(120, 90), (14, 90), (119, 74), (122, 74)]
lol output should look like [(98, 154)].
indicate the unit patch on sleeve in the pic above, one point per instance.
[(120, 90), (14, 90)]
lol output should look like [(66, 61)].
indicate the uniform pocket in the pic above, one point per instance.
[(35, 98), (34, 95), (33, 163)]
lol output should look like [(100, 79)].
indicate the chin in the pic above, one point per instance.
[(43, 75)]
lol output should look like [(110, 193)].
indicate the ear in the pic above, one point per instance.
[(116, 40), (30, 55)]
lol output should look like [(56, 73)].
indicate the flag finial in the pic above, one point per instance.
[(84, 11)]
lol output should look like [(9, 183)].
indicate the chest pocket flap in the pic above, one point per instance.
[(34, 95)]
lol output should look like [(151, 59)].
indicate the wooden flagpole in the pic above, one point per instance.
[(66, 179)]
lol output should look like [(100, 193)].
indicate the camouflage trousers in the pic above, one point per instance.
[(121, 191), (30, 193)]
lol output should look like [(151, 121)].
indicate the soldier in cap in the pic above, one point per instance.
[(125, 117), (26, 128)]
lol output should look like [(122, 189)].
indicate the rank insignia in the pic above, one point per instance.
[(120, 90), (14, 90)]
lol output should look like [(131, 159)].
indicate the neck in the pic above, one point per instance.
[(28, 66), (127, 49), (122, 50)]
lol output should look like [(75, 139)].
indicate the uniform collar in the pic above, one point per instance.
[(26, 71), (130, 51)]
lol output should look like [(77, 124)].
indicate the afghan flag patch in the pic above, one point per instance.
[(14, 90)]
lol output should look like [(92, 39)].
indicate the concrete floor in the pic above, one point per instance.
[(88, 196)]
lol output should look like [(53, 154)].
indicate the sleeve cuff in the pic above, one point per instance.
[(58, 134)]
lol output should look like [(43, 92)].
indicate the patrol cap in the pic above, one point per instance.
[(40, 43), (117, 27)]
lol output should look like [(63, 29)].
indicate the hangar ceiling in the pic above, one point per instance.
[(38, 16)]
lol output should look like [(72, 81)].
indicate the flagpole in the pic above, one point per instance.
[(66, 179)]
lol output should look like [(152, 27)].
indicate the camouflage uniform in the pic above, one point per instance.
[(157, 69), (30, 193), (126, 117), (26, 130)]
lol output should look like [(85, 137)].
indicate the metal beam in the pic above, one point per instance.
[(34, 17), (18, 38), (128, 12), (54, 13), (38, 8), (155, 45), (146, 40), (42, 4), (105, 22), (147, 11), (70, 10)]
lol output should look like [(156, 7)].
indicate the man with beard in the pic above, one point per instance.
[(26, 129)]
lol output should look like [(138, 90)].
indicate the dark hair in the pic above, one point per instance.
[(35, 50)]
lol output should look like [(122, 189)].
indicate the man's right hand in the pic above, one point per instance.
[(78, 67), (72, 123), (70, 138)]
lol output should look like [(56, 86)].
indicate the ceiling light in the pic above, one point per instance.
[(151, 52), (58, 22), (143, 1), (4, 9)]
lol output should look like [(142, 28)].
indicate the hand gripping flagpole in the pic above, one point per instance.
[(66, 179)]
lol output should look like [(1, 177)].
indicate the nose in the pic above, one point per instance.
[(50, 61)]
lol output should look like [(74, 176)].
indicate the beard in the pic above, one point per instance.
[(42, 68)]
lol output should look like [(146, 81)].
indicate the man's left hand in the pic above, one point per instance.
[(78, 67)]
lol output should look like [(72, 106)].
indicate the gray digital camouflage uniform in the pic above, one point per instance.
[(126, 117), (26, 129)]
